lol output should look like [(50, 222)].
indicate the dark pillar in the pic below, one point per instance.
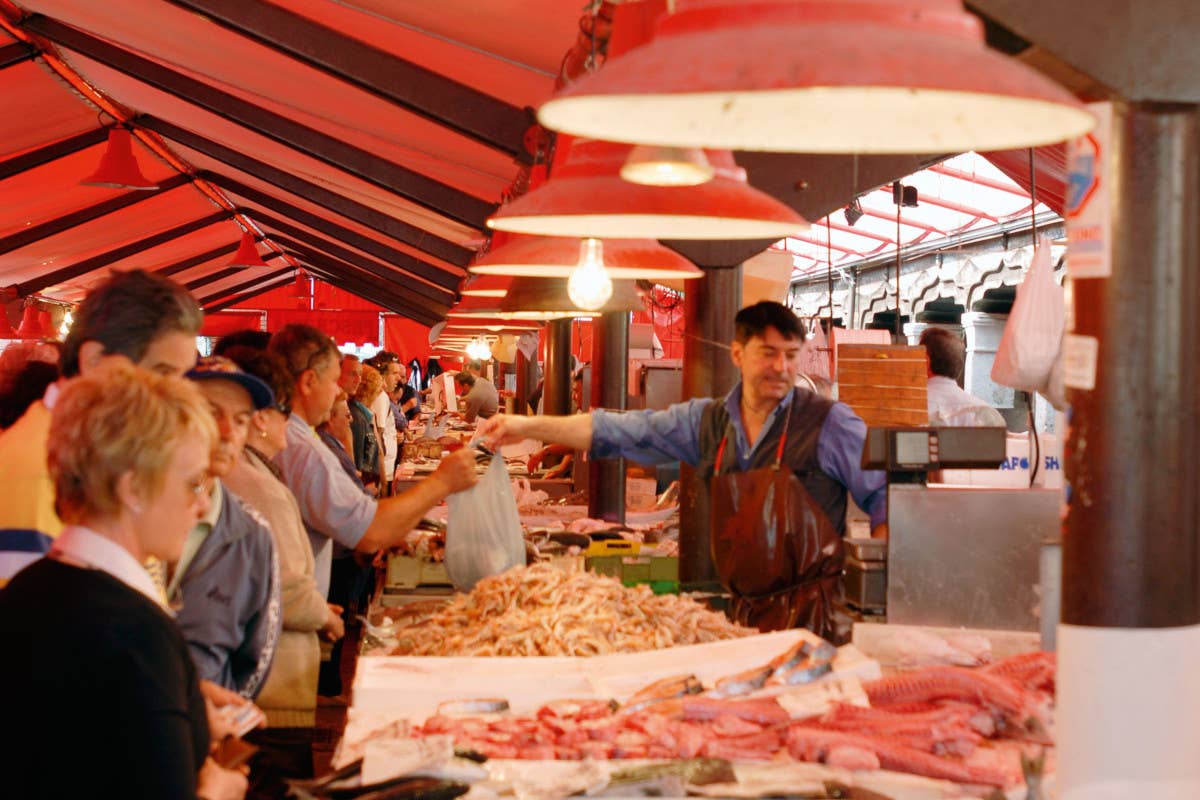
[(556, 392), (710, 304), (521, 395), (1131, 547), (610, 370)]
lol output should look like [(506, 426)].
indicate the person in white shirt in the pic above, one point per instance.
[(388, 364), (949, 405)]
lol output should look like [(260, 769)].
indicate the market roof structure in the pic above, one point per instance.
[(363, 141)]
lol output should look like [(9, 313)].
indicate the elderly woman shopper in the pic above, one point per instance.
[(289, 697), (363, 427), (101, 688)]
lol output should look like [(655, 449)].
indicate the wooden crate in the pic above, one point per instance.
[(884, 384)]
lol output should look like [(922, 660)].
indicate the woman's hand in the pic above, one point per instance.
[(217, 783)]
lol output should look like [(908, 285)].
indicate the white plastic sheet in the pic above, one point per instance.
[(483, 529)]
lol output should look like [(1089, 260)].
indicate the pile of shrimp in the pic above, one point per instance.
[(546, 610)]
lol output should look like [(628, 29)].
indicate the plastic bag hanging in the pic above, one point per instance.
[(483, 529), (1032, 340)]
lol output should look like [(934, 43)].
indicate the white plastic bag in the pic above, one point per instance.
[(483, 530), (1033, 335)]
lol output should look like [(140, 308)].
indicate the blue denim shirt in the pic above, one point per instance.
[(653, 437)]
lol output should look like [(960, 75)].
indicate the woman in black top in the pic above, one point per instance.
[(102, 698)]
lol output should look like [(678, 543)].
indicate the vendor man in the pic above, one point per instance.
[(776, 533)]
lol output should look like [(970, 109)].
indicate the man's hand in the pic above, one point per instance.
[(457, 471), (219, 696), (502, 429), (334, 628)]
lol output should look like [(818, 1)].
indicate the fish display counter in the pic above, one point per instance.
[(936, 714)]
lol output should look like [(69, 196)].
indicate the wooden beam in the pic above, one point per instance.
[(344, 278), (241, 287), (414, 88), (387, 271), (112, 256), (402, 181), (16, 53), (49, 228), (233, 301), (320, 195), (51, 152)]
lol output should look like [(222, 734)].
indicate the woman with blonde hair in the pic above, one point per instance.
[(364, 428), (97, 667)]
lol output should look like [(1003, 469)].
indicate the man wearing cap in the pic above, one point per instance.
[(226, 583)]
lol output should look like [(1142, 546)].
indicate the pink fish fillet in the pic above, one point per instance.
[(948, 683)]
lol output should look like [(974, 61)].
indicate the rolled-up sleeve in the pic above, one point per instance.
[(839, 452), (650, 437), (328, 499)]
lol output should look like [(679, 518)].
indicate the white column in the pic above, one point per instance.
[(983, 337), (1128, 702)]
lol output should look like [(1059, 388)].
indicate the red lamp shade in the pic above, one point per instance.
[(586, 196), (118, 168), (830, 76), (558, 257), (486, 286), (487, 310), (35, 324), (247, 256)]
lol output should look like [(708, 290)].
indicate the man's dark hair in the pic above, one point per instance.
[(754, 320), (303, 347), (126, 313), (27, 385), (267, 367), (464, 379), (381, 359), (947, 353), (256, 340)]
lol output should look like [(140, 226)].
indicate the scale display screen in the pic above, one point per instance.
[(912, 447)]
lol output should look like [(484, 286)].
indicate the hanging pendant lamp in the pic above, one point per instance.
[(118, 168), (33, 325), (486, 309), (656, 165), (586, 196), (821, 76), (553, 295), (247, 256), (486, 286), (558, 257)]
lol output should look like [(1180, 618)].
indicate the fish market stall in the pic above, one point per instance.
[(940, 714)]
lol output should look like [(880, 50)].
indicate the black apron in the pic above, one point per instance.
[(774, 547)]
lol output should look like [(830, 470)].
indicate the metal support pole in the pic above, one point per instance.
[(1130, 629), (556, 391), (710, 304), (610, 370), (521, 396)]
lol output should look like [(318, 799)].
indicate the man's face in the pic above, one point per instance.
[(769, 365), (232, 408), (324, 390), (391, 376), (339, 419), (172, 353), (351, 375)]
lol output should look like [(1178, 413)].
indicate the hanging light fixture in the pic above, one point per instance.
[(558, 257), (656, 165), (473, 309), (478, 349), (247, 256), (486, 286), (586, 195), (118, 167), (554, 296), (589, 286), (827, 76), (33, 323)]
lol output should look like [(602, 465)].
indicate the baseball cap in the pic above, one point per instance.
[(221, 368)]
